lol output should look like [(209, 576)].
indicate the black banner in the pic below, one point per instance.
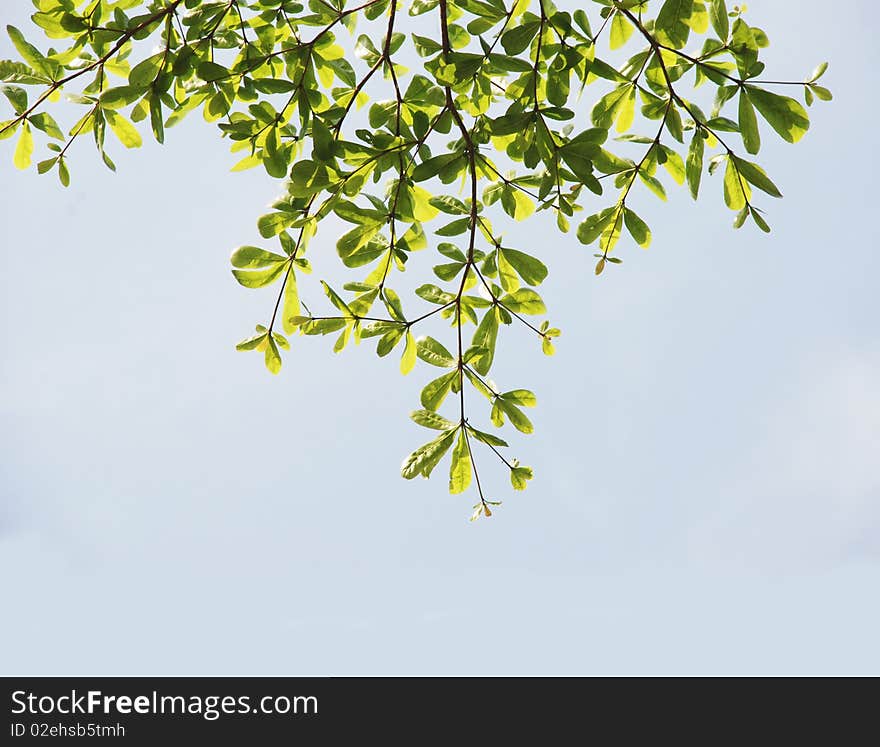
[(136, 709), (253, 710)]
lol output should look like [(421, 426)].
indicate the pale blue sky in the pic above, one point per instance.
[(707, 492)]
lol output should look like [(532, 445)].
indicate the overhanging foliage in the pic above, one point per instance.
[(482, 126)]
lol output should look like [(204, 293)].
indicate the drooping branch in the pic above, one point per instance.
[(445, 154)]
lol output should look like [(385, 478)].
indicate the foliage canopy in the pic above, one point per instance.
[(481, 127)]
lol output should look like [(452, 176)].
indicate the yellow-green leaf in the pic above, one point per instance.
[(621, 30), (736, 190), (748, 125), (524, 207), (506, 274), (291, 308), (460, 468), (248, 162), (783, 114), (637, 228), (24, 148), (672, 24), (410, 353), (123, 129), (273, 357), (627, 111)]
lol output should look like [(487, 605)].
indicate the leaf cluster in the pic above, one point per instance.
[(438, 142)]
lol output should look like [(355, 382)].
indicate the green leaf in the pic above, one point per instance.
[(423, 460), (392, 303), (272, 224), (518, 419), (529, 268), (408, 360), (422, 6), (748, 125), (759, 220), (17, 97), (515, 40), (455, 228), (336, 300), (253, 256), (63, 173), (783, 114), (45, 122), (520, 476), (366, 50), (720, 20), (621, 30), (273, 356), (506, 274), (145, 72), (722, 124), (521, 397), (654, 184), (18, 72), (252, 343), (524, 301), (430, 419), (433, 352), (211, 71), (121, 96), (47, 165), (485, 337), (258, 278), (694, 165), (591, 228), (523, 207), (673, 164), (435, 391), (433, 166), (736, 193), (308, 178), (627, 111), (24, 148), (672, 26), (433, 294), (823, 94), (460, 466), (757, 177), (351, 243), (449, 204), (123, 129), (608, 108), (30, 54), (637, 228), (448, 270), (818, 72), (389, 341), (291, 307), (486, 438), (274, 85)]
